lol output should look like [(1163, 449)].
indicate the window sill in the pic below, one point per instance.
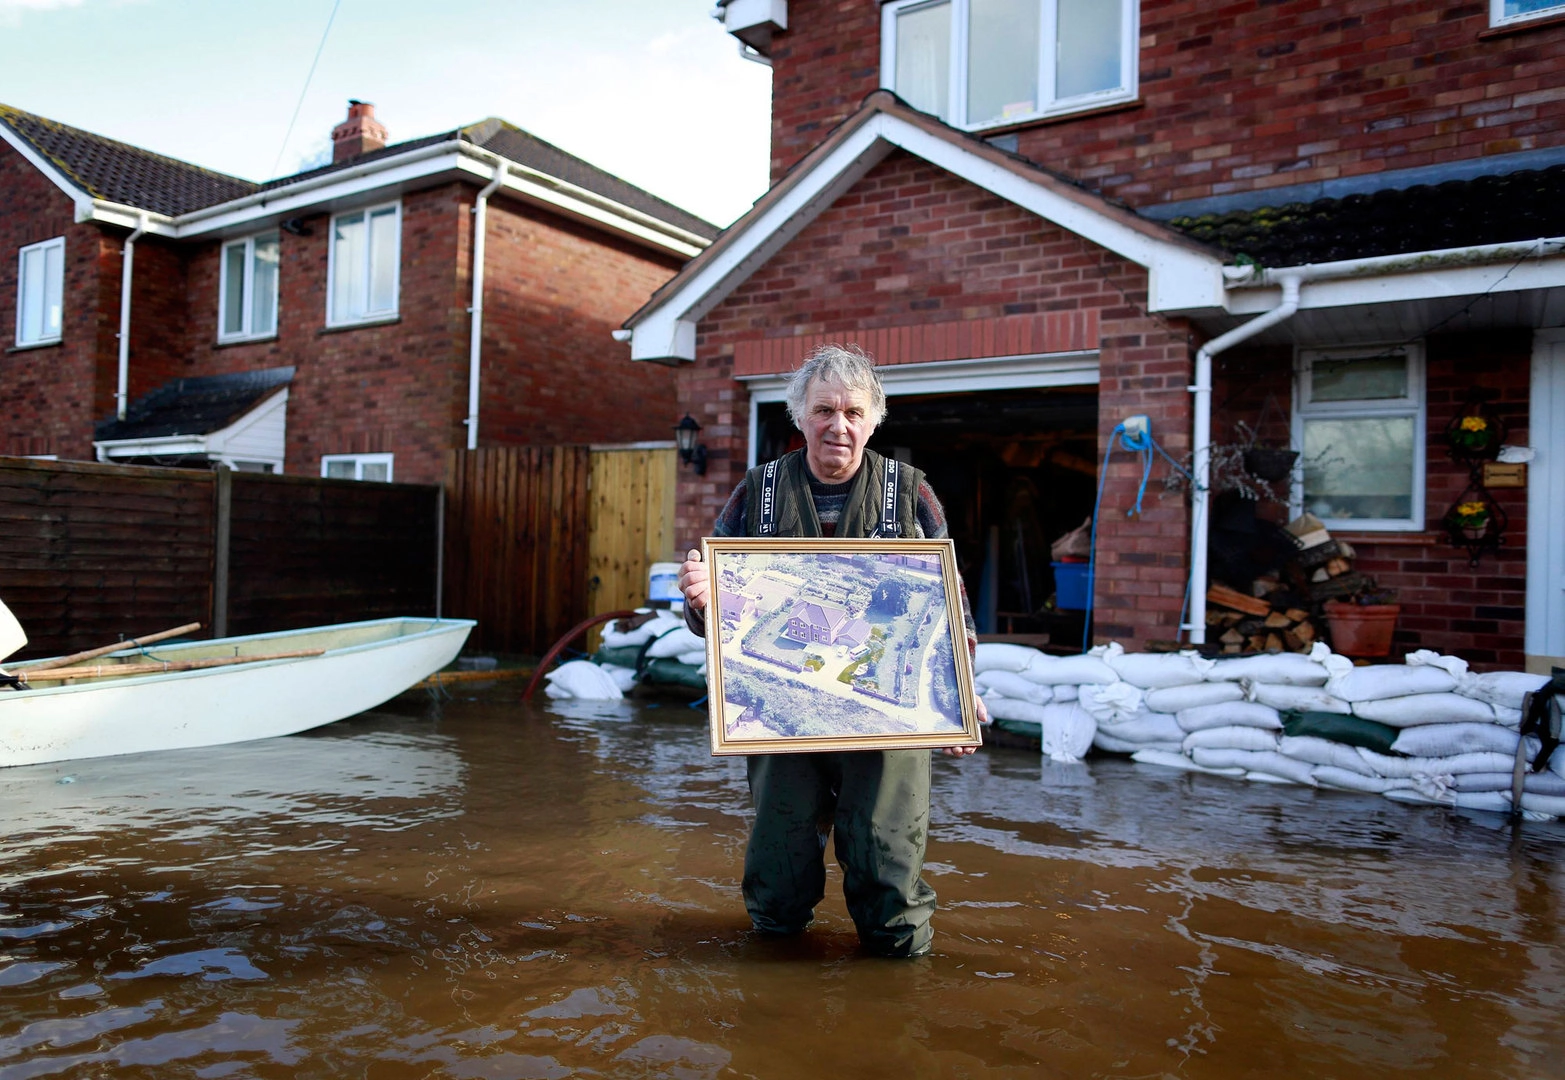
[(1408, 538), (227, 343), (386, 320), (1557, 19), (55, 344)]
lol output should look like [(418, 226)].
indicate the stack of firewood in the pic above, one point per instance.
[(1279, 615)]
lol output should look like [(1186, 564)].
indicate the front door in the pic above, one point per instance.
[(1545, 634)]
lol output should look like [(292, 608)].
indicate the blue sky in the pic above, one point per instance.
[(653, 91)]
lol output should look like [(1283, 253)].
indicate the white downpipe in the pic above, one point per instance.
[(475, 345), (122, 394), (1201, 445)]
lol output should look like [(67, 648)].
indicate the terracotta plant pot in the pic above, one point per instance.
[(1361, 630)]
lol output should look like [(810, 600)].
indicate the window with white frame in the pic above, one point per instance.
[(1510, 12), (982, 63), (247, 288), (1359, 417), (365, 264), (357, 467), (40, 292)]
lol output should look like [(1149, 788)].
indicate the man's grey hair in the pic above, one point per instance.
[(846, 366)]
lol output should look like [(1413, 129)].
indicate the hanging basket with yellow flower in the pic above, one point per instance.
[(1473, 433), (1472, 518)]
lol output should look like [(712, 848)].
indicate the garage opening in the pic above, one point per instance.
[(1016, 470)]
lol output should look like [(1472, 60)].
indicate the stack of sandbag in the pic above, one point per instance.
[(1034, 695), (655, 647), (1425, 730)]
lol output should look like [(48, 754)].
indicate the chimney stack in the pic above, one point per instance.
[(358, 134)]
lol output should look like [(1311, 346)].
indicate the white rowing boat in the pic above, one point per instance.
[(206, 693)]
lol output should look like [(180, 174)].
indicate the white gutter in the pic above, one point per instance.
[(475, 343), (121, 395), (1201, 445)]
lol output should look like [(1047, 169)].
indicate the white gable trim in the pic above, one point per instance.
[(1179, 278)]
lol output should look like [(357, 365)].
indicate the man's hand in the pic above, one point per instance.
[(694, 584), (983, 720)]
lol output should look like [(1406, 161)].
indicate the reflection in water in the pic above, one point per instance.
[(481, 888)]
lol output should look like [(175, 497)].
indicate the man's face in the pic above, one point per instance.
[(837, 424)]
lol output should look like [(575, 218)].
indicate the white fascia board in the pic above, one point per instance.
[(1179, 279), (166, 445), (962, 376), (668, 331), (1391, 288)]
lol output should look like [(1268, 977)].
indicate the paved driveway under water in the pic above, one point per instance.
[(478, 888)]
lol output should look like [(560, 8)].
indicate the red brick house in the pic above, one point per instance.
[(1339, 225), (454, 290)]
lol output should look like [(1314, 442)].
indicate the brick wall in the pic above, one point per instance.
[(54, 392), (1237, 96), (910, 248)]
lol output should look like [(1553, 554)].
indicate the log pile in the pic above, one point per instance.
[(1281, 613)]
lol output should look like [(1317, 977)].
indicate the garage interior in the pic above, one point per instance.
[(1016, 470)]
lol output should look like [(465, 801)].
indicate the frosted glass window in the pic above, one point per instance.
[(923, 76), (40, 292), (1087, 48), (1359, 469), (248, 290), (1002, 60), (365, 264)]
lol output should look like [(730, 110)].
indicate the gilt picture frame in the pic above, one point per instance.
[(817, 645)]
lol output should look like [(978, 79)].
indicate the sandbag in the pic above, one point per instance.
[(1282, 696), (1500, 687), (1543, 783), (1454, 666), (1067, 732), (1557, 761), (1064, 692), (670, 672), (1230, 738), (1544, 805), (674, 642), (1004, 708), (1348, 780), (1002, 656), (624, 677), (1379, 681), (1266, 761), (581, 679), (1174, 698), (1316, 751), (1416, 709), (1153, 671), (1012, 685), (1109, 744), (1351, 730), (1507, 717), (1175, 760), (1074, 670), (692, 659), (1111, 704), (1408, 767), (1447, 740), (1286, 669), (1146, 726), (1247, 713), (661, 622), (627, 656)]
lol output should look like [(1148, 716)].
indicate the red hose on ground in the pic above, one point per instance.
[(559, 646)]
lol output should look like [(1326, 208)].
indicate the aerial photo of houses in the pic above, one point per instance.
[(834, 644)]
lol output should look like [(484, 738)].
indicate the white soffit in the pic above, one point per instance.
[(1179, 278)]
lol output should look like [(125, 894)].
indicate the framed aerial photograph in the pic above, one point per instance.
[(836, 645)]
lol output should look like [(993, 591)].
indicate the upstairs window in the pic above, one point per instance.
[(1511, 12), (366, 261), (1359, 417), (40, 293), (983, 63), (247, 289), (357, 467)]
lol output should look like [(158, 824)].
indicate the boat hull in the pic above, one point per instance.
[(363, 665)]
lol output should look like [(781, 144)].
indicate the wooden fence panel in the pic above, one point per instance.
[(305, 551), (93, 553), (516, 543)]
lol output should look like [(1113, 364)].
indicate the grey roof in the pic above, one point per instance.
[(198, 406), (118, 172)]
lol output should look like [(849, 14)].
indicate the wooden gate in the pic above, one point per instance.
[(632, 523), (516, 543)]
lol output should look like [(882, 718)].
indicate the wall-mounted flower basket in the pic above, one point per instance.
[(1474, 435), (1269, 463), (1475, 521)]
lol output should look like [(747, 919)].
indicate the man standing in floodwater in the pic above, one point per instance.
[(877, 800)]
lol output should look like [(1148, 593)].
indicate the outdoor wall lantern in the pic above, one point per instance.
[(690, 452)]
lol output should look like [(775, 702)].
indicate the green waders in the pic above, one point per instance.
[(798, 799)]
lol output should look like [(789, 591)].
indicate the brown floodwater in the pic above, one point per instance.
[(478, 888)]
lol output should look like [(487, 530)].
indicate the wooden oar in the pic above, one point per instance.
[(103, 671), (104, 650)]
